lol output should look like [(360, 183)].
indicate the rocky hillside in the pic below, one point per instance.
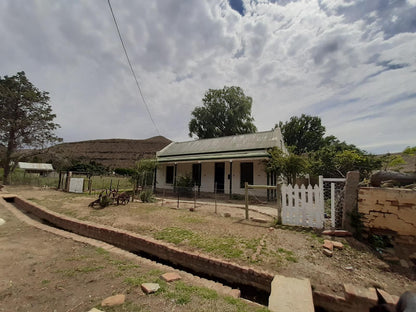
[(113, 153)]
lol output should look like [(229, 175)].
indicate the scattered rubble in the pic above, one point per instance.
[(329, 246)]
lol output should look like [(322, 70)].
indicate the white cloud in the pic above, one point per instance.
[(340, 60)]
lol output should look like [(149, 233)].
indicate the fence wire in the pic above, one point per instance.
[(336, 217)]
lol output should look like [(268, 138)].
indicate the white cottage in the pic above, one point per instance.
[(225, 163)]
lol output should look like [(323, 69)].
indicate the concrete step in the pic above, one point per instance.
[(290, 295)]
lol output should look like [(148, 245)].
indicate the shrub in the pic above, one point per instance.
[(184, 185), (147, 196)]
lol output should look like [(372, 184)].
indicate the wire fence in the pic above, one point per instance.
[(333, 190), (216, 200)]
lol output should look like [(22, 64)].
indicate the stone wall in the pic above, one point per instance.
[(388, 210)]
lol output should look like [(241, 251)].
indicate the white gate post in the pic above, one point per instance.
[(321, 197), (333, 204)]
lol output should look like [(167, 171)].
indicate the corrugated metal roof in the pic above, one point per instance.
[(215, 156), (35, 166), (244, 142)]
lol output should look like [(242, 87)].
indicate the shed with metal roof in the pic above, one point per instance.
[(41, 168)]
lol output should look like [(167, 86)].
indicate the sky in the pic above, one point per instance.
[(352, 63)]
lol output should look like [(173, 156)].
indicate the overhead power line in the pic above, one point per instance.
[(131, 68)]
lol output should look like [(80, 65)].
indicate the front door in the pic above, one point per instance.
[(219, 176)]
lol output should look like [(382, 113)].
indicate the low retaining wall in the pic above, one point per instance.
[(388, 210), (135, 243)]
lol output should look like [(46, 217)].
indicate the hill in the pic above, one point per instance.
[(113, 153)]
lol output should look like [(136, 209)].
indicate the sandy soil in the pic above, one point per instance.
[(289, 251)]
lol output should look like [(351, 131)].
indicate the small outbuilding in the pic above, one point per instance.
[(42, 169), (221, 164)]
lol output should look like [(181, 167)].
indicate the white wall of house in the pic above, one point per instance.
[(208, 176)]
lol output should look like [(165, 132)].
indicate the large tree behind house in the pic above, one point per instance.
[(224, 112)]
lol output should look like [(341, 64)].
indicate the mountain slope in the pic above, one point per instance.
[(113, 153)]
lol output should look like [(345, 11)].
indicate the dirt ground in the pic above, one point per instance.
[(284, 250), (40, 271)]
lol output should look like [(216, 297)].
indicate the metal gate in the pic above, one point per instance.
[(333, 199)]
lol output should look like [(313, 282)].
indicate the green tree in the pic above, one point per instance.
[(390, 161), (26, 119), (288, 165), (410, 150), (144, 172), (334, 161), (224, 112), (304, 133)]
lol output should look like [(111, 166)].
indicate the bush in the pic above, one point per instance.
[(125, 171), (147, 196), (184, 185)]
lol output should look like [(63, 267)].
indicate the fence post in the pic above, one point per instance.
[(215, 196), (321, 193), (333, 216), (350, 199), (246, 198), (177, 190), (279, 203), (194, 196)]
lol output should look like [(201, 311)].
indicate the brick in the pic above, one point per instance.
[(327, 252), (328, 232), (342, 233), (338, 245), (171, 277), (149, 288), (113, 300), (328, 245), (235, 293), (387, 297), (353, 292)]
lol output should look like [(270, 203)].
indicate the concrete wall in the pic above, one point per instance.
[(388, 210), (207, 176)]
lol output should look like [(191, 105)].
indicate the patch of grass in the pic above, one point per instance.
[(45, 282), (289, 255), (182, 294), (242, 306), (174, 235), (316, 237), (191, 219), (229, 247), (102, 251), (151, 276)]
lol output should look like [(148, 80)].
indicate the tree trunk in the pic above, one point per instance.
[(399, 178)]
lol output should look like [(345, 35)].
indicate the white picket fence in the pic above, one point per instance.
[(302, 206)]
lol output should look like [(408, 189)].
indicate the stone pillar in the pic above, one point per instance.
[(350, 199)]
